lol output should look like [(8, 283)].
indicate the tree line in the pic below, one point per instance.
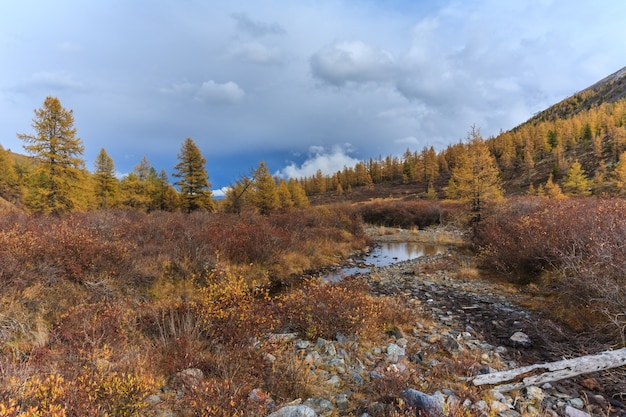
[(55, 180), (585, 154)]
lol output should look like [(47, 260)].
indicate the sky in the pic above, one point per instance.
[(302, 85)]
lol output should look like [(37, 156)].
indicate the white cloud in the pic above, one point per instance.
[(344, 62), (179, 88), (328, 162), (212, 92), (258, 53)]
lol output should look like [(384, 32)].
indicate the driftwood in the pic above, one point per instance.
[(553, 371)]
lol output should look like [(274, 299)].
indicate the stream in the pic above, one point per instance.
[(385, 254)]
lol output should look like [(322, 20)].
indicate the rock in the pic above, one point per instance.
[(186, 379), (302, 344), (394, 353), (326, 347), (535, 393), (573, 412), (294, 411), (577, 403), (520, 339), (498, 407), (591, 384), (262, 398), (334, 380), (422, 403), (313, 357), (282, 337), (321, 406), (451, 345), (357, 378), (342, 402)]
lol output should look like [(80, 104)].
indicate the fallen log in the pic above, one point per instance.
[(554, 371)]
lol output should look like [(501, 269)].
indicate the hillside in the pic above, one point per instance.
[(608, 90)]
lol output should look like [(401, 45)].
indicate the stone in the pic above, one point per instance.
[(573, 412), (321, 406), (520, 339), (535, 393), (302, 344), (498, 407), (334, 380), (422, 403), (394, 353), (451, 345), (342, 402), (294, 411), (576, 403)]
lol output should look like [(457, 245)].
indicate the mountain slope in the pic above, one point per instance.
[(608, 90)]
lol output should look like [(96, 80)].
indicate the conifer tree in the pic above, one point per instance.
[(10, 188), (619, 174), (552, 190), (56, 146), (195, 193), (105, 182), (300, 200), (265, 191), (576, 182), (284, 196), (476, 176)]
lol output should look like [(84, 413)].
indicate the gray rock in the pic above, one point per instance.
[(342, 402), (302, 344), (573, 412), (520, 339), (320, 405), (422, 403), (357, 378), (576, 403), (451, 345), (394, 353), (294, 411)]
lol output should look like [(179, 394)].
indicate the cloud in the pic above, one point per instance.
[(319, 158), (258, 53), (256, 28), (212, 92), (345, 62), (409, 140)]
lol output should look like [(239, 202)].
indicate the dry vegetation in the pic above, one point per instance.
[(100, 310), (571, 250)]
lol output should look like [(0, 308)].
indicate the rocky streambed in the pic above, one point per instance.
[(474, 327)]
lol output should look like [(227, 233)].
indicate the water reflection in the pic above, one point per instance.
[(386, 254)]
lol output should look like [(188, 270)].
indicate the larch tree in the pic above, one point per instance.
[(576, 182), (193, 184), (476, 177), (105, 182), (298, 195), (266, 197), (56, 179), (10, 188), (284, 196), (619, 174)]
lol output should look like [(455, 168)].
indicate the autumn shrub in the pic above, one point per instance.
[(407, 214), (578, 241), (322, 309)]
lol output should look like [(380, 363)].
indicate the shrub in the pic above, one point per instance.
[(323, 309), (579, 240)]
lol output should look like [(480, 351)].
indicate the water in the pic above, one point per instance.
[(388, 253)]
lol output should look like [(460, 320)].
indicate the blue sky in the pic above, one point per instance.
[(303, 85)]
